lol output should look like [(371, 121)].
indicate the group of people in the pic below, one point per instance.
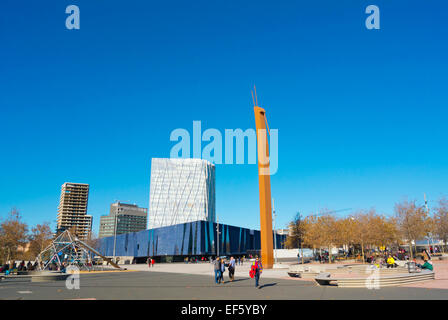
[(426, 258), (150, 262), (220, 266), (13, 267), (389, 260), (322, 258)]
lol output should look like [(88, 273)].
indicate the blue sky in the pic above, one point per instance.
[(361, 113)]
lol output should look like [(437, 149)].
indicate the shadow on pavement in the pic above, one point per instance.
[(236, 280), (268, 285)]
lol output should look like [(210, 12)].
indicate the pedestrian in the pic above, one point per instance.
[(152, 262), (217, 268), (298, 256), (149, 262), (256, 270), (232, 269), (223, 269)]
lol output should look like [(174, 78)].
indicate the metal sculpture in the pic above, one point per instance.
[(264, 182)]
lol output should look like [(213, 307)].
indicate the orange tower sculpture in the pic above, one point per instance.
[(264, 182)]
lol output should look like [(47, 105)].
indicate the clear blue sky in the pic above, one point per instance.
[(361, 113)]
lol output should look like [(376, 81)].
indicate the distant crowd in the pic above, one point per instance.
[(13, 267)]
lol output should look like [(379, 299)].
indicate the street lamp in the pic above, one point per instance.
[(217, 236), (300, 239), (115, 233), (275, 233)]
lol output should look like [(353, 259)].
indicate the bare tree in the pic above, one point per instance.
[(363, 230), (441, 221), (13, 233), (327, 226), (40, 238), (312, 233), (92, 240), (412, 222)]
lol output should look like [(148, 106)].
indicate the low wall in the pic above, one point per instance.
[(292, 253)]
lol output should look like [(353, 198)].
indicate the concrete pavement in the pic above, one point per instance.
[(174, 286)]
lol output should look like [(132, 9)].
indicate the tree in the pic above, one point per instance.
[(296, 232), (13, 233), (389, 232), (412, 221), (327, 227), (345, 232), (363, 229), (41, 237), (92, 240), (311, 234), (441, 221)]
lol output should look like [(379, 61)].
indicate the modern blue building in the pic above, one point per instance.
[(198, 238)]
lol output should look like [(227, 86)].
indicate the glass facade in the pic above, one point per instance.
[(187, 239), (181, 190), (123, 218)]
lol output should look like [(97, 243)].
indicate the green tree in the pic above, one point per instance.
[(296, 232)]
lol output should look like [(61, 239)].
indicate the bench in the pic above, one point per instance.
[(382, 281), (38, 276), (303, 275)]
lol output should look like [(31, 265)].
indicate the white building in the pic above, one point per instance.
[(182, 190)]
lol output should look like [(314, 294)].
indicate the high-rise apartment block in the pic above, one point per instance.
[(123, 218), (72, 210), (181, 190)]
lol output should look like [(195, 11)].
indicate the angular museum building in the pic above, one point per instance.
[(181, 190), (173, 243)]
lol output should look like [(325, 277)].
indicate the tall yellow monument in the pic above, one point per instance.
[(264, 181)]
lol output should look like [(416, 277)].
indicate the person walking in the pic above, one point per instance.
[(232, 269), (223, 269), (149, 262), (256, 270), (217, 268)]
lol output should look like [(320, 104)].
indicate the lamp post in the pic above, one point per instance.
[(115, 233), (275, 233), (300, 239), (217, 236)]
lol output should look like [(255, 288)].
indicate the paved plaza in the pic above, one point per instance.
[(196, 282)]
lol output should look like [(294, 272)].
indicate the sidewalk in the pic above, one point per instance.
[(205, 268), (441, 277), (440, 268)]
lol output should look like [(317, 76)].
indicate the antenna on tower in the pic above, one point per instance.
[(255, 100), (426, 203)]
